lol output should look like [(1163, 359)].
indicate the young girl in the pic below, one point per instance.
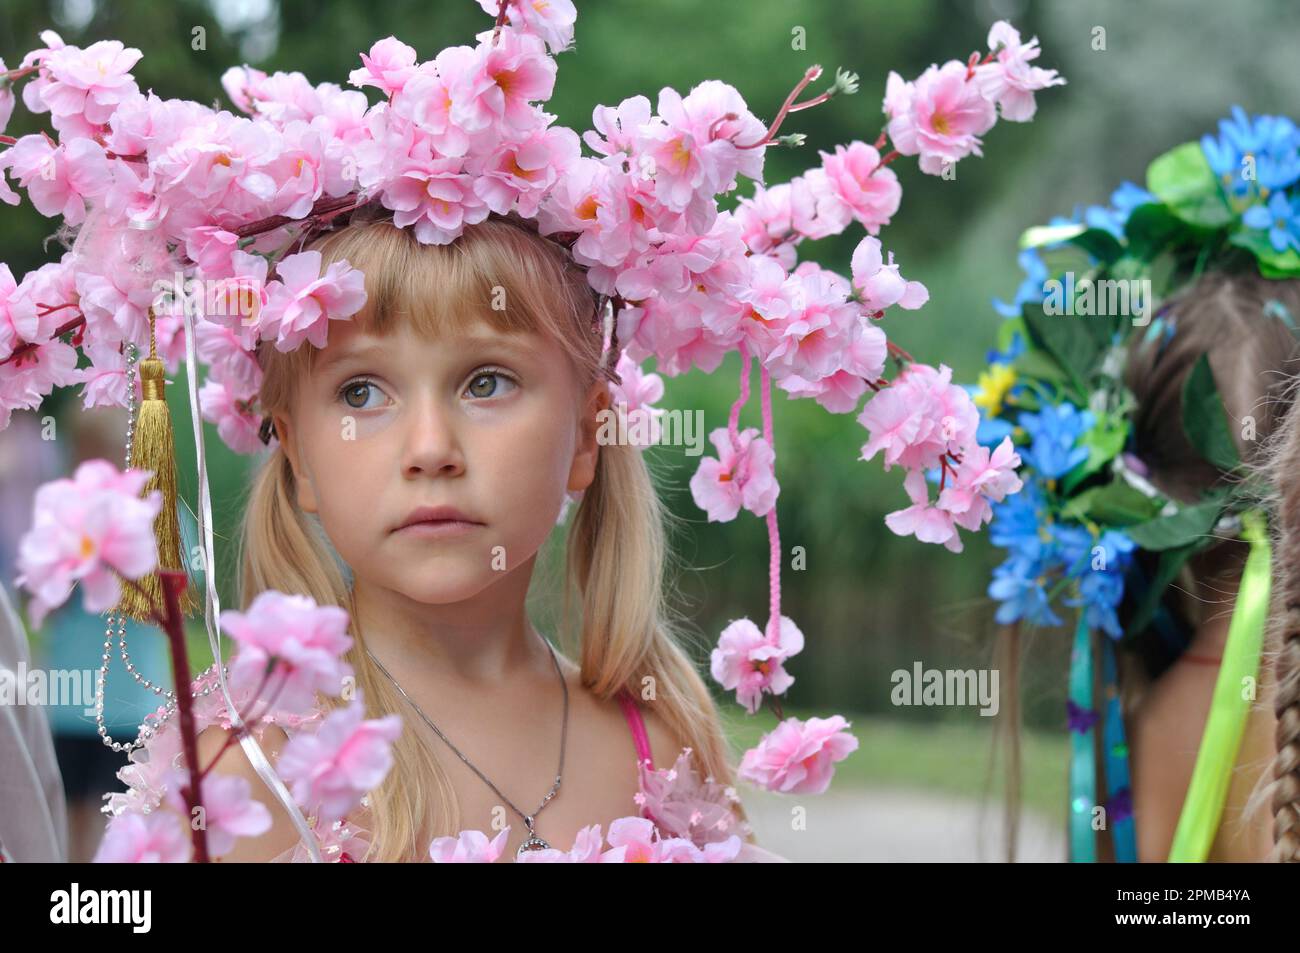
[(1168, 688), (467, 392)]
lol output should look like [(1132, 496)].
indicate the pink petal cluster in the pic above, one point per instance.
[(468, 847), (637, 396), (228, 809), (159, 837), (88, 529), (752, 663), (799, 757), (1010, 80), (291, 647), (682, 804), (331, 769), (740, 476)]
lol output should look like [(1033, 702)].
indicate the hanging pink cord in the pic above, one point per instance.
[(773, 532)]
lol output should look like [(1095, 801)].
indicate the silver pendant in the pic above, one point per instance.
[(532, 841)]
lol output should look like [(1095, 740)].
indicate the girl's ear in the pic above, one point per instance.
[(306, 492), (583, 470)]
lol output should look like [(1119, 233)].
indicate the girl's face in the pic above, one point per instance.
[(489, 423)]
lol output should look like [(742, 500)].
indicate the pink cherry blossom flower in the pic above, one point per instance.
[(88, 529), (229, 811), (6, 99), (767, 222), (468, 847), (59, 179), (238, 424), (302, 303), (812, 340), (737, 477), (331, 769), (388, 66), (940, 117), (862, 360), (1010, 80), (636, 840), (159, 837), (927, 522), (880, 285), (89, 83), (636, 397), (798, 757), (981, 477), (918, 418), (856, 187), (617, 126), (505, 80), (751, 663), (551, 20), (305, 641)]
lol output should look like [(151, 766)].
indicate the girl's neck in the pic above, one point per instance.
[(486, 639)]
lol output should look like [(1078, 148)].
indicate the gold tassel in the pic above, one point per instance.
[(155, 449)]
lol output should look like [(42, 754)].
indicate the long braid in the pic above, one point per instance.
[(1285, 467)]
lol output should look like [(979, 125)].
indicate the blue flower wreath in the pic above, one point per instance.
[(1055, 385)]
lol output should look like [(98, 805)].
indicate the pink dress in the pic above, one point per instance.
[(676, 800)]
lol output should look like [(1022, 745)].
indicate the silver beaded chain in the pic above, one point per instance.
[(147, 730)]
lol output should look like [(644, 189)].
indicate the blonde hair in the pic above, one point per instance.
[(616, 542)]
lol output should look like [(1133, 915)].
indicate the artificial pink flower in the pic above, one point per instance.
[(551, 20), (159, 837), (89, 83), (880, 285), (739, 476), (229, 811), (506, 78), (1010, 80), (388, 66), (586, 850), (59, 179), (918, 418), (856, 187), (981, 477), (468, 847), (927, 522), (332, 768), (88, 529), (799, 757), (635, 397), (941, 116), (305, 641), (238, 424), (302, 303), (813, 338), (682, 804), (751, 663)]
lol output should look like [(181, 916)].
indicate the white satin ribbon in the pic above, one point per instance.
[(212, 610)]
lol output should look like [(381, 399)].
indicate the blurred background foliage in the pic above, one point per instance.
[(868, 602)]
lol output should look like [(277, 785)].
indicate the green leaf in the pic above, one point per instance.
[(1204, 420), (1039, 365), (1066, 338), (1149, 228), (1183, 180), (1100, 244), (1104, 440), (1272, 263), (1189, 524), (1115, 504)]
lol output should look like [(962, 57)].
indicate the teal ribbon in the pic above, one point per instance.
[(1122, 831), (1083, 763)]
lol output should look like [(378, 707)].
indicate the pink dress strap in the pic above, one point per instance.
[(632, 712)]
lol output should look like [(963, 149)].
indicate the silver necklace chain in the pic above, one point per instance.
[(529, 819)]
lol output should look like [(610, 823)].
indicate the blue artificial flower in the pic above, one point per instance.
[(1100, 575), (1018, 521), (1282, 219), (1018, 585), (1055, 431), (1100, 593), (1270, 141), (992, 430), (1122, 203), (1031, 289), (1013, 351), (1074, 547)]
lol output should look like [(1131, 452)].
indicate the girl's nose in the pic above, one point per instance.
[(430, 444)]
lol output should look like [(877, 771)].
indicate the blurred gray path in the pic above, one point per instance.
[(866, 824)]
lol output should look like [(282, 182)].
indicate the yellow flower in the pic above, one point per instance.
[(994, 384)]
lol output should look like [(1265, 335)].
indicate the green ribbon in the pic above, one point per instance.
[(1226, 724)]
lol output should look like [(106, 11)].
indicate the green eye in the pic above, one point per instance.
[(484, 384)]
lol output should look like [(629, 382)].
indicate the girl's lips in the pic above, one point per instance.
[(439, 529)]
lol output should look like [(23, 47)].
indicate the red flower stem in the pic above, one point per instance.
[(887, 158), (809, 75), (323, 206), (501, 21), (8, 140), (899, 353), (27, 346), (14, 74), (171, 621)]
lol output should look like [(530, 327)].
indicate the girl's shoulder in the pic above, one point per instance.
[(145, 774)]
